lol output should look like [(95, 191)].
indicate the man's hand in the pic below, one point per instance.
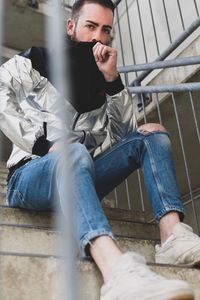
[(106, 60)]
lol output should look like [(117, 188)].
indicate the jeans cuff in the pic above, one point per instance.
[(169, 209), (86, 240)]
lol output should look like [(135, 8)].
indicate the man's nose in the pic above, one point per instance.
[(97, 37), (94, 40)]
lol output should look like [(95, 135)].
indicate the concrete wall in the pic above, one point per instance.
[(24, 26)]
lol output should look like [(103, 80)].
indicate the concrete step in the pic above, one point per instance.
[(36, 241), (2, 164), (3, 171), (3, 199), (3, 176), (24, 218), (16, 216), (135, 229), (28, 240), (2, 188), (47, 272), (31, 217)]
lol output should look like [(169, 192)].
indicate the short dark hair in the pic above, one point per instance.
[(78, 4)]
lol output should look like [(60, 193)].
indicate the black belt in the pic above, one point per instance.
[(12, 169)]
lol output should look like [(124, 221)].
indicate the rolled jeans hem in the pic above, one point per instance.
[(91, 235), (169, 209)]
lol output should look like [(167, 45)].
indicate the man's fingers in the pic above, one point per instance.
[(100, 52)]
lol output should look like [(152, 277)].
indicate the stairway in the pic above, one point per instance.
[(31, 264)]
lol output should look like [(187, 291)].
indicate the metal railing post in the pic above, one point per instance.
[(1, 47), (59, 62)]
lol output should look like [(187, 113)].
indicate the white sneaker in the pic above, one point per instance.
[(133, 280), (183, 248)]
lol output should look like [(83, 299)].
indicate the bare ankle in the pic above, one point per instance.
[(105, 253), (166, 225)]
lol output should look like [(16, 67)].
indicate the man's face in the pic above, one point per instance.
[(94, 24)]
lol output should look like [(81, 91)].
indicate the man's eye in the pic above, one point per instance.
[(90, 26), (107, 31)]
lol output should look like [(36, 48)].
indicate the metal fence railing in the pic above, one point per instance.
[(151, 26), (146, 33), (177, 108)]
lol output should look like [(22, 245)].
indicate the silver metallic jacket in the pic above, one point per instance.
[(28, 101)]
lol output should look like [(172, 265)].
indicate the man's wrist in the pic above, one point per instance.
[(111, 77)]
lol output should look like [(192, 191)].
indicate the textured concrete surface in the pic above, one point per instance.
[(36, 241), (34, 218), (29, 25), (136, 229), (29, 278), (26, 217), (27, 240), (42, 276)]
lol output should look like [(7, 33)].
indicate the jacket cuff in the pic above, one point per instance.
[(41, 146), (114, 87)]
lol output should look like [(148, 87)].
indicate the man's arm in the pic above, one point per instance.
[(121, 119), (16, 78)]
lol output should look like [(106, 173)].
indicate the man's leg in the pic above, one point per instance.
[(150, 151), (38, 185), (124, 274), (32, 185)]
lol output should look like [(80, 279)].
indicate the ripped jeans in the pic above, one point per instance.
[(33, 186)]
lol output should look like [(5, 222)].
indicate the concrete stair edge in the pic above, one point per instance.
[(46, 284), (48, 242)]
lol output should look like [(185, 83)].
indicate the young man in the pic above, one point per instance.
[(29, 117)]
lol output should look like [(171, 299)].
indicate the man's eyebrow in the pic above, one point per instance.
[(96, 24)]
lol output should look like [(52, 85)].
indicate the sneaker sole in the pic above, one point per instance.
[(183, 297), (181, 293), (188, 296), (194, 264), (179, 296), (197, 264)]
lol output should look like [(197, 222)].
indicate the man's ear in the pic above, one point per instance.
[(70, 27)]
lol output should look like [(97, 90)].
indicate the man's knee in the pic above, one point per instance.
[(79, 155), (150, 127)]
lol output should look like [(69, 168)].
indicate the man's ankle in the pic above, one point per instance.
[(166, 225), (106, 254)]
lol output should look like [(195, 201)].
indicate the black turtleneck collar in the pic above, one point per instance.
[(87, 83), (87, 87)]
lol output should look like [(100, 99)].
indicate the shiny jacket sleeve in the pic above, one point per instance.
[(17, 79), (120, 112)]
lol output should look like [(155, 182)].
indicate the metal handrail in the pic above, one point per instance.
[(170, 63), (185, 34), (170, 88)]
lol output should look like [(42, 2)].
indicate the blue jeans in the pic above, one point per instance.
[(35, 184)]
